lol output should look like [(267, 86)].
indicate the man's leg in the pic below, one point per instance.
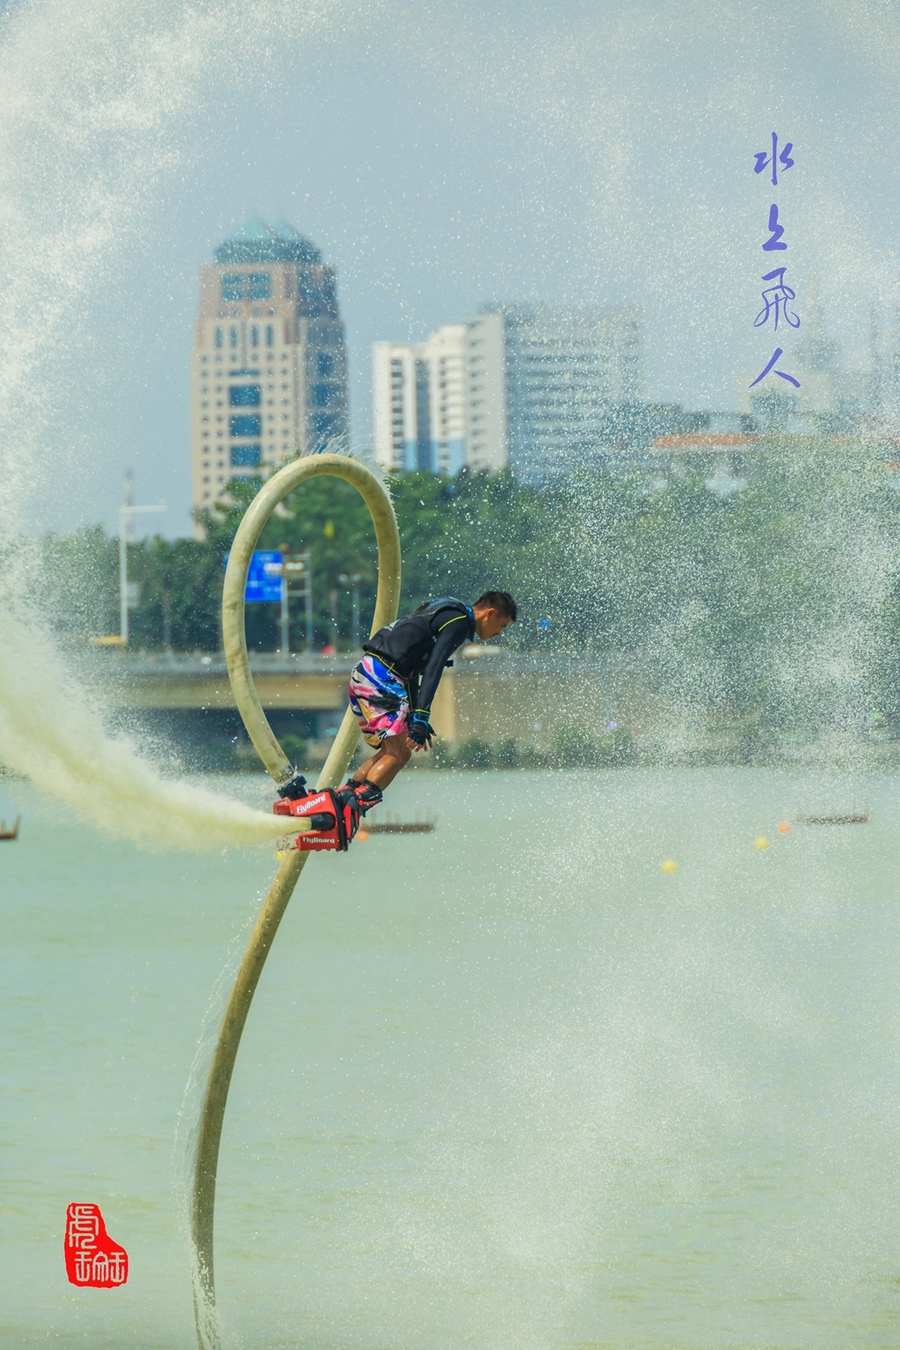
[(385, 764)]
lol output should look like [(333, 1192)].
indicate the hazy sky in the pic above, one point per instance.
[(441, 155)]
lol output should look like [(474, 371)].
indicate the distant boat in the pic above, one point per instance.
[(854, 816), (10, 834), (390, 826)]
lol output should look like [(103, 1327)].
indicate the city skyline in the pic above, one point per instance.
[(464, 394), (829, 388), (588, 153)]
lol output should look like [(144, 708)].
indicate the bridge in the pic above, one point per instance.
[(491, 693)]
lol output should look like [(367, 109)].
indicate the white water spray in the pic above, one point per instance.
[(91, 100), (51, 732)]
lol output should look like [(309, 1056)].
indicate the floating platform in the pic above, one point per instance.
[(855, 816), (390, 826)]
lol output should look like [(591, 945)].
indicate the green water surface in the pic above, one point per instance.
[(506, 1086)]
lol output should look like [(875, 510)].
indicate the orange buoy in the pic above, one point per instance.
[(784, 827)]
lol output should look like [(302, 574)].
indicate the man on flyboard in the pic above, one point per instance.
[(392, 688), (391, 692)]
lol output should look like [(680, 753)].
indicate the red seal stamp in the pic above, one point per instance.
[(92, 1258)]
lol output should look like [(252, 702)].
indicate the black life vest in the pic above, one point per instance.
[(405, 645)]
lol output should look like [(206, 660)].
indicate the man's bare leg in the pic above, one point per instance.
[(382, 768)]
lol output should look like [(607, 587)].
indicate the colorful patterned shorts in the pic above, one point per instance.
[(379, 701)]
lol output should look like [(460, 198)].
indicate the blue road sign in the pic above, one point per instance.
[(263, 576)]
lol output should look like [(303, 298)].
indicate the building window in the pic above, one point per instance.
[(239, 286), (245, 456), (326, 363), (249, 425), (323, 395), (270, 335), (254, 335), (233, 336), (245, 395), (233, 286), (218, 337)]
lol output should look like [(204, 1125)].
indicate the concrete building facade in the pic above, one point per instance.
[(269, 365)]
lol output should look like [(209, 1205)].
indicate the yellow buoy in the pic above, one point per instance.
[(761, 842), (669, 866)]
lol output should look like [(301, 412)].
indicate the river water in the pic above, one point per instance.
[(505, 1086)]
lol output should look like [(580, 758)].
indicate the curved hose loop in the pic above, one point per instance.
[(279, 766)]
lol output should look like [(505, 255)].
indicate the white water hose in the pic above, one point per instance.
[(279, 766)]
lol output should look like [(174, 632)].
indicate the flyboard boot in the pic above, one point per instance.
[(333, 815), (366, 794)]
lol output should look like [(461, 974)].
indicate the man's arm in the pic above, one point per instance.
[(452, 635)]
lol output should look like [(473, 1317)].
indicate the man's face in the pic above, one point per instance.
[(488, 623)]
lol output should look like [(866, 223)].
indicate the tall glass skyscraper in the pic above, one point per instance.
[(269, 369), (566, 368)]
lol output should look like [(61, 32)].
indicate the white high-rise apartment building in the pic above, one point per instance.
[(400, 406), (444, 354), (531, 386), (269, 366), (419, 402)]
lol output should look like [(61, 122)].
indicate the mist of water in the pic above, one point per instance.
[(92, 100), (52, 733)]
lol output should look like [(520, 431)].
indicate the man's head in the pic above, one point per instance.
[(493, 611)]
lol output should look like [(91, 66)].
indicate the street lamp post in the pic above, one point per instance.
[(126, 512), (296, 569), (354, 581)]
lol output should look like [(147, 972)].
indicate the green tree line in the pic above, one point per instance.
[(781, 599)]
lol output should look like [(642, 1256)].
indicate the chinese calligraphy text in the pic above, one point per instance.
[(777, 297), (764, 159)]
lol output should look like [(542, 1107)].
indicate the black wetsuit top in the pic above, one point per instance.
[(418, 648)]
